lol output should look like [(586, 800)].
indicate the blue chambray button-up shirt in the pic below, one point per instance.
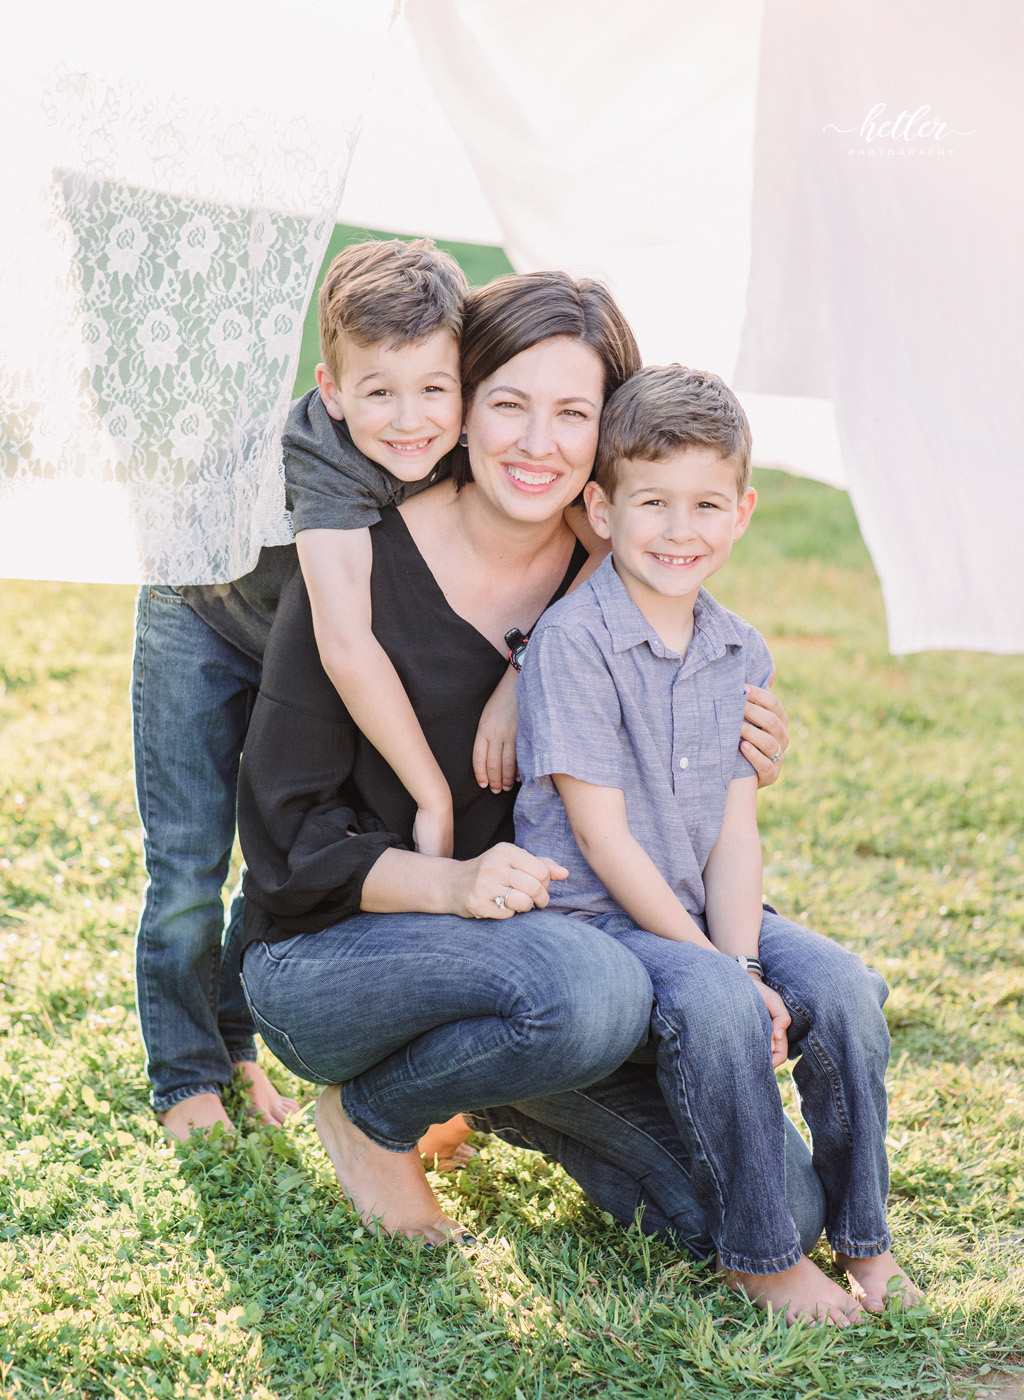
[(603, 699)]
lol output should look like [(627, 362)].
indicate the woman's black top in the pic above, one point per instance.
[(317, 805)]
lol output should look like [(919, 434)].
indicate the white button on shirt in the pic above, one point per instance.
[(684, 763)]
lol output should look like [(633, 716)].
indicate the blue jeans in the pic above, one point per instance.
[(192, 695), (616, 1138), (712, 1036), (420, 1016)]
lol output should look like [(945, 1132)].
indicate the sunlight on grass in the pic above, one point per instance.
[(131, 1269)]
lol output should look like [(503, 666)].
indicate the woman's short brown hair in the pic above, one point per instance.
[(514, 313)]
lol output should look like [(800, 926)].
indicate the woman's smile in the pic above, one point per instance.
[(529, 478), (532, 427)]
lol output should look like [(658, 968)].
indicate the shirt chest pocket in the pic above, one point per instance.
[(729, 720)]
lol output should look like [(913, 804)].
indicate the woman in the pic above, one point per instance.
[(424, 986)]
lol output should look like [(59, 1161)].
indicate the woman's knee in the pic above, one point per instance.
[(599, 995)]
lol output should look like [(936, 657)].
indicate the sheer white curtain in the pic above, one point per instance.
[(718, 164), (871, 295), (887, 277), (171, 181)]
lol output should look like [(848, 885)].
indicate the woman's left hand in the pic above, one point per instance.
[(765, 734)]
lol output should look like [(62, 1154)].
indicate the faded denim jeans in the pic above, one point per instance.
[(419, 1016), (192, 694), (616, 1138), (712, 1038)]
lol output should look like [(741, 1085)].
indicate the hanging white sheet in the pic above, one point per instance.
[(872, 298), (169, 190)]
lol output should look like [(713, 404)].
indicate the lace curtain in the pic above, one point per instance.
[(168, 216)]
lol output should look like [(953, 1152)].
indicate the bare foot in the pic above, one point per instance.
[(389, 1189), (264, 1100), (872, 1281), (444, 1148), (196, 1114), (803, 1293)]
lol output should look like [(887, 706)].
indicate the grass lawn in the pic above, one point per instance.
[(131, 1268)]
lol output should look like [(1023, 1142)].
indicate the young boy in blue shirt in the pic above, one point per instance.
[(631, 702)]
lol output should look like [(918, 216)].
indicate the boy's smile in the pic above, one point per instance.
[(402, 404), (671, 524)]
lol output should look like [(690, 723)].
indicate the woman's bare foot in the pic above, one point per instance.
[(803, 1293), (196, 1114), (444, 1148), (872, 1281), (264, 1100), (389, 1189)]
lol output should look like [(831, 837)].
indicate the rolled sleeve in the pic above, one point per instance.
[(569, 712), (322, 498), (759, 670)]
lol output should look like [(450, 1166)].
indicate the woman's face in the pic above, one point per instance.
[(532, 428)]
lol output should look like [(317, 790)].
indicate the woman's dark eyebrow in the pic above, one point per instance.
[(522, 394)]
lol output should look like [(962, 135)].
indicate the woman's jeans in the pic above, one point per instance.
[(420, 1016), (712, 1037), (192, 695)]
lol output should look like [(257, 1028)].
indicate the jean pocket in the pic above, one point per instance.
[(164, 593)]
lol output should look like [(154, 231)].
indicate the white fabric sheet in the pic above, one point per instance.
[(886, 277), (870, 298), (169, 191)]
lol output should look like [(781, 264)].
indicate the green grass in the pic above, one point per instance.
[(129, 1268)]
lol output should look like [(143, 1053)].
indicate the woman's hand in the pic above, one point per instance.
[(515, 876), (765, 734)]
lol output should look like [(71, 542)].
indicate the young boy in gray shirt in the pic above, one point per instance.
[(631, 703)]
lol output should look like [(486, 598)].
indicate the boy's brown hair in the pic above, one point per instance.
[(666, 407), (388, 292)]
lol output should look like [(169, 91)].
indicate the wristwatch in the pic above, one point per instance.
[(751, 965), (516, 642)]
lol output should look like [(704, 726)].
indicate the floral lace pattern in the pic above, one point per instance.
[(171, 258)]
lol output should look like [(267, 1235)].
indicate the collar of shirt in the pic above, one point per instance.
[(713, 629)]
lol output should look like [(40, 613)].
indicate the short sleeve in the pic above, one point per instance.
[(326, 497), (759, 668), (329, 483), (569, 712)]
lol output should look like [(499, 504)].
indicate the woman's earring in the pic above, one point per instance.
[(463, 440)]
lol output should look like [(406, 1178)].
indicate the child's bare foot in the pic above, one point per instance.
[(389, 1189), (444, 1148), (196, 1114), (264, 1100), (803, 1293), (872, 1281)]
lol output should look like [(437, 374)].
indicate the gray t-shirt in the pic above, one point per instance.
[(602, 699), (329, 485)]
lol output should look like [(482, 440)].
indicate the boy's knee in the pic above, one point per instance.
[(847, 1005), (720, 1008)]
